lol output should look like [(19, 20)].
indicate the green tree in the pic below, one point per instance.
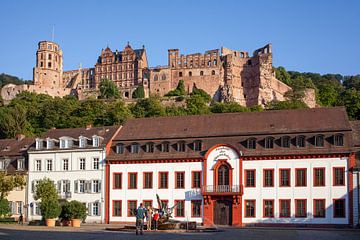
[(281, 105), (117, 113), (50, 208), (228, 107), (13, 121), (201, 93), (9, 183), (283, 75), (174, 110), (4, 208), (108, 89), (196, 105), (139, 92), (148, 107), (45, 191), (178, 91), (351, 100), (352, 82)]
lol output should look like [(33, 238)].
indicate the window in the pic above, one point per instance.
[(268, 177), (116, 208), (163, 179), (319, 177), (65, 164), (213, 72), (339, 208), (319, 140), (117, 180), (82, 186), (250, 208), (64, 186), (300, 177), (181, 146), (284, 208), (269, 142), (20, 164), (96, 184), (179, 211), (201, 73), (49, 144), (339, 176), (149, 147), (49, 64), (180, 179), (285, 141), (195, 208), (38, 165), (132, 208), (190, 74), (2, 164), (134, 148), (82, 142), (300, 208), (96, 162), (120, 148), (147, 203), (300, 141), (62, 143), (163, 77), (284, 178), (96, 141), (155, 77), (180, 74), (39, 144), (269, 208), (196, 179), (49, 166), (250, 178), (164, 203), (49, 56), (165, 147), (197, 145), (339, 140), (319, 208), (132, 181), (82, 163), (148, 180), (251, 143), (96, 209)]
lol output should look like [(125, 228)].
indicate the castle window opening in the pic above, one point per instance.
[(249, 62), (127, 94), (242, 55), (215, 62), (49, 64), (155, 77), (49, 56), (209, 63), (190, 74), (41, 56), (213, 72), (163, 77), (180, 74), (49, 46), (41, 64), (201, 73)]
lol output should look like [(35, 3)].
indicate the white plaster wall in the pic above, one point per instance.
[(74, 173), (329, 192), (171, 194), (356, 203)]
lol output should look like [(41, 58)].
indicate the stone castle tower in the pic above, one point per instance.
[(48, 71)]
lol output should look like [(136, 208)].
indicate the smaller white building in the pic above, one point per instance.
[(74, 160)]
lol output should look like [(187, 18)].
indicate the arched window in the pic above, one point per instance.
[(201, 73), (213, 72), (269, 142), (163, 77), (155, 77), (190, 74), (209, 63), (339, 139), (215, 62), (223, 175), (319, 140), (285, 141)]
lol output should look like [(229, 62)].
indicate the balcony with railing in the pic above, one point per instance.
[(221, 190)]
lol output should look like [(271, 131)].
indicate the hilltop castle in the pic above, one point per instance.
[(227, 75)]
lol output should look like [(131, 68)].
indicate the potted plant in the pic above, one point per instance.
[(65, 215), (50, 210), (76, 211)]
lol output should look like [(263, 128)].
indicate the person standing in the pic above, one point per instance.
[(140, 215), (149, 218), (156, 219)]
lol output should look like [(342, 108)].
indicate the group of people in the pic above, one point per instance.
[(152, 218)]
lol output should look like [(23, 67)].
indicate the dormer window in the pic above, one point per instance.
[(20, 164), (39, 144), (49, 143), (251, 143), (285, 141), (197, 145), (2, 164), (300, 141), (269, 142), (319, 140), (120, 148), (339, 140), (181, 146), (149, 147), (82, 142), (165, 147), (134, 148), (96, 141), (63, 143)]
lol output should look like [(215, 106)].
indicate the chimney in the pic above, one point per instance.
[(88, 126), (19, 137)]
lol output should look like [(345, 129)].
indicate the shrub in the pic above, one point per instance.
[(4, 207), (50, 209), (74, 210)]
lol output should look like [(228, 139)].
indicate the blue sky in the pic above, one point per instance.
[(312, 36)]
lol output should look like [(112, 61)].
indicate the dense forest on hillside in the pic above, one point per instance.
[(6, 79), (33, 114)]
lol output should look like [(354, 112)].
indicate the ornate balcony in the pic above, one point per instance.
[(221, 190)]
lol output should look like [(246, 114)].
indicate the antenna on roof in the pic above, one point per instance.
[(53, 33)]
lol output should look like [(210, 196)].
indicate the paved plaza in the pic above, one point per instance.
[(98, 232)]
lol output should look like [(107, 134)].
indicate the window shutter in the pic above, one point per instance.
[(99, 186), (13, 207), (32, 186), (33, 209), (89, 189), (68, 186), (89, 209), (99, 207), (76, 186), (59, 186)]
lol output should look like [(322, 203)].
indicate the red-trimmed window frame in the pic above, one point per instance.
[(147, 201), (314, 208), (192, 208), (176, 175), (167, 180), (280, 177), (113, 208), (144, 180), (246, 175), (324, 176), (136, 182), (297, 207), (114, 180), (273, 208), (166, 201), (192, 179), (128, 207), (344, 209), (245, 213), (296, 177), (175, 210), (334, 176), (264, 177), (280, 206)]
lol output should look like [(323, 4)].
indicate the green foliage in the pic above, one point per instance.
[(352, 82), (196, 105), (351, 100), (149, 107), (50, 209), (139, 92), (282, 75), (179, 91), (227, 107), (46, 191), (6, 79), (4, 208), (201, 93), (108, 89), (174, 110), (9, 183), (73, 210), (281, 105)]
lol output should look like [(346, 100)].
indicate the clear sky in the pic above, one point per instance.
[(311, 36)]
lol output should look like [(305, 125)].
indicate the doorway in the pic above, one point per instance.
[(223, 212)]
